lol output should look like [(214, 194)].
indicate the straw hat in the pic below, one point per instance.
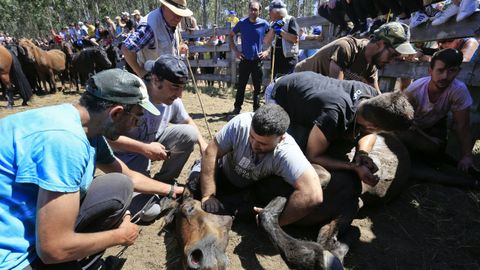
[(178, 7)]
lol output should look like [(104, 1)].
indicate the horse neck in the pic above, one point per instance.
[(37, 52)]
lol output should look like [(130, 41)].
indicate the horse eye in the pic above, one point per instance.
[(188, 209)]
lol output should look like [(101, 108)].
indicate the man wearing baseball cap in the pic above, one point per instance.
[(56, 213), (170, 136), (157, 34), (359, 59)]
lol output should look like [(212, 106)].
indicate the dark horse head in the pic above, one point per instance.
[(202, 237), (100, 58)]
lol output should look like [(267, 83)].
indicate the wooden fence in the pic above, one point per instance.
[(227, 68)]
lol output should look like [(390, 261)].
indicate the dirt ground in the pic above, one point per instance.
[(427, 227)]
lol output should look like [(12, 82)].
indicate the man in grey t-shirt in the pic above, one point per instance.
[(253, 148)]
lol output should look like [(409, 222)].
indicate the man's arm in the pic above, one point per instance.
[(207, 175), (267, 40), (131, 59), (318, 144), (293, 38), (153, 150), (141, 183), (233, 46), (56, 239), (201, 141), (462, 123), (306, 196)]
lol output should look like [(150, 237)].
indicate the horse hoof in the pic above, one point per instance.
[(10, 106), (24, 103)]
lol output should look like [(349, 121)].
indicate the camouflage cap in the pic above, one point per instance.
[(396, 35)]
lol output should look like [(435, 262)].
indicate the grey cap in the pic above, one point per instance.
[(276, 4), (122, 87)]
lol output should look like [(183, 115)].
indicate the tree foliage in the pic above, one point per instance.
[(26, 18)]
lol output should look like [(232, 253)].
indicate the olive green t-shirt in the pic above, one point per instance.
[(348, 52)]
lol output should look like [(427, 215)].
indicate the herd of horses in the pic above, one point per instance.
[(29, 69)]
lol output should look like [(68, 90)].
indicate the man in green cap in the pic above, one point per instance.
[(53, 214), (350, 58)]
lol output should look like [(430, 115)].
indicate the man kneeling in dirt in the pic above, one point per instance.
[(433, 97), (253, 152), (154, 139)]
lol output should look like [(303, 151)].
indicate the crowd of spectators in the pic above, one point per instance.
[(364, 16)]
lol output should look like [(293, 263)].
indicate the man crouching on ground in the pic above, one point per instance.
[(253, 152)]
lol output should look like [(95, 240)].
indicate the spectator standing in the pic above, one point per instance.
[(284, 34), (252, 30)]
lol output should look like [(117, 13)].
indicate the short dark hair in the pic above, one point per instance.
[(451, 58), (270, 119), (251, 2), (388, 112)]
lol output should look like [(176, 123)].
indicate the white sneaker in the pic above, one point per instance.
[(417, 19), (449, 12), (467, 8)]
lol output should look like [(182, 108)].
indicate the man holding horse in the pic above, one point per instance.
[(157, 34), (254, 153), (53, 214)]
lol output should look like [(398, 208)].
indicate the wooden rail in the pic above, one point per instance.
[(426, 32)]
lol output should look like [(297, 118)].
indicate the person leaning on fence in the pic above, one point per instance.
[(284, 34), (156, 35), (252, 30), (170, 136), (433, 97), (53, 214), (349, 58)]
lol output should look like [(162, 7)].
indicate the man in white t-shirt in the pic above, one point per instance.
[(254, 152), (432, 98)]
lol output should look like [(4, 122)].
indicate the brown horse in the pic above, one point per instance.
[(202, 237), (47, 63), (11, 74)]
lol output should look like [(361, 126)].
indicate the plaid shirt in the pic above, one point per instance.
[(142, 37)]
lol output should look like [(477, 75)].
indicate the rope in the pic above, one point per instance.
[(199, 98), (273, 57)]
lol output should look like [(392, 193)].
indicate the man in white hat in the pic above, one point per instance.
[(137, 16), (157, 34)]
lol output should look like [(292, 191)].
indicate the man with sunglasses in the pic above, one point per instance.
[(349, 58), (54, 213), (154, 139), (433, 97)]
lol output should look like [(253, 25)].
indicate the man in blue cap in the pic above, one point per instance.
[(53, 214)]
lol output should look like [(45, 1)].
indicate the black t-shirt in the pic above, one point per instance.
[(310, 98)]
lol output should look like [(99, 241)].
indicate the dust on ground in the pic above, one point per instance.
[(427, 227)]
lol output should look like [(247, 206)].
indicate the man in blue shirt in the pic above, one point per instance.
[(252, 30), (52, 213)]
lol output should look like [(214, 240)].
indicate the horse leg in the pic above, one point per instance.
[(297, 254), (51, 82), (5, 78)]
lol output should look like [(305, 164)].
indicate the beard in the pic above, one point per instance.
[(110, 131)]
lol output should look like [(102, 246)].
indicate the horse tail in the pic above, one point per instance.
[(19, 79)]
